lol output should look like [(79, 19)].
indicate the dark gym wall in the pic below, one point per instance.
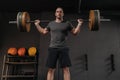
[(97, 45)]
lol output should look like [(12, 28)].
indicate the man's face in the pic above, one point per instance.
[(59, 13)]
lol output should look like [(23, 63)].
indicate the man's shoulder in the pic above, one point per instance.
[(52, 21), (66, 21)]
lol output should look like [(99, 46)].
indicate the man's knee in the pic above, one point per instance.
[(50, 70), (66, 70)]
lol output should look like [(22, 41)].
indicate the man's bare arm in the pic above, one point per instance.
[(76, 30), (39, 28)]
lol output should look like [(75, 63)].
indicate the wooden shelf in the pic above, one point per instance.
[(19, 63), (23, 61), (18, 76), (26, 56)]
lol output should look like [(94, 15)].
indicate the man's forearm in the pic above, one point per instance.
[(77, 29), (40, 29)]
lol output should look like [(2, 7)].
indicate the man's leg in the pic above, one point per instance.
[(51, 63), (50, 74), (66, 73), (65, 62)]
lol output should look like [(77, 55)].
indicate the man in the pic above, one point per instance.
[(58, 49)]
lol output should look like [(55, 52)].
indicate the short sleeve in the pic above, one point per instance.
[(48, 27), (70, 26)]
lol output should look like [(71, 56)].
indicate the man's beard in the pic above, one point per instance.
[(59, 17)]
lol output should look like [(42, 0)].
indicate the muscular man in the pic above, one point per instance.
[(58, 49)]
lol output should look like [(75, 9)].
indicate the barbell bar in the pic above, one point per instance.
[(24, 23), (14, 22)]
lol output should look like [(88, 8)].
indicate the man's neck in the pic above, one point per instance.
[(59, 20)]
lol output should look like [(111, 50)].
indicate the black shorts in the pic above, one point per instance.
[(60, 54)]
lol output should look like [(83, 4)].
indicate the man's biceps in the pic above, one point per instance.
[(73, 29), (46, 30)]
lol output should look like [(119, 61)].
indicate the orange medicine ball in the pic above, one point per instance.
[(12, 51), (21, 51)]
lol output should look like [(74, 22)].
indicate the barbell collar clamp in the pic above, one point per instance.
[(12, 22)]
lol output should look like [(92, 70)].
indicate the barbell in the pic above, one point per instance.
[(24, 23)]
